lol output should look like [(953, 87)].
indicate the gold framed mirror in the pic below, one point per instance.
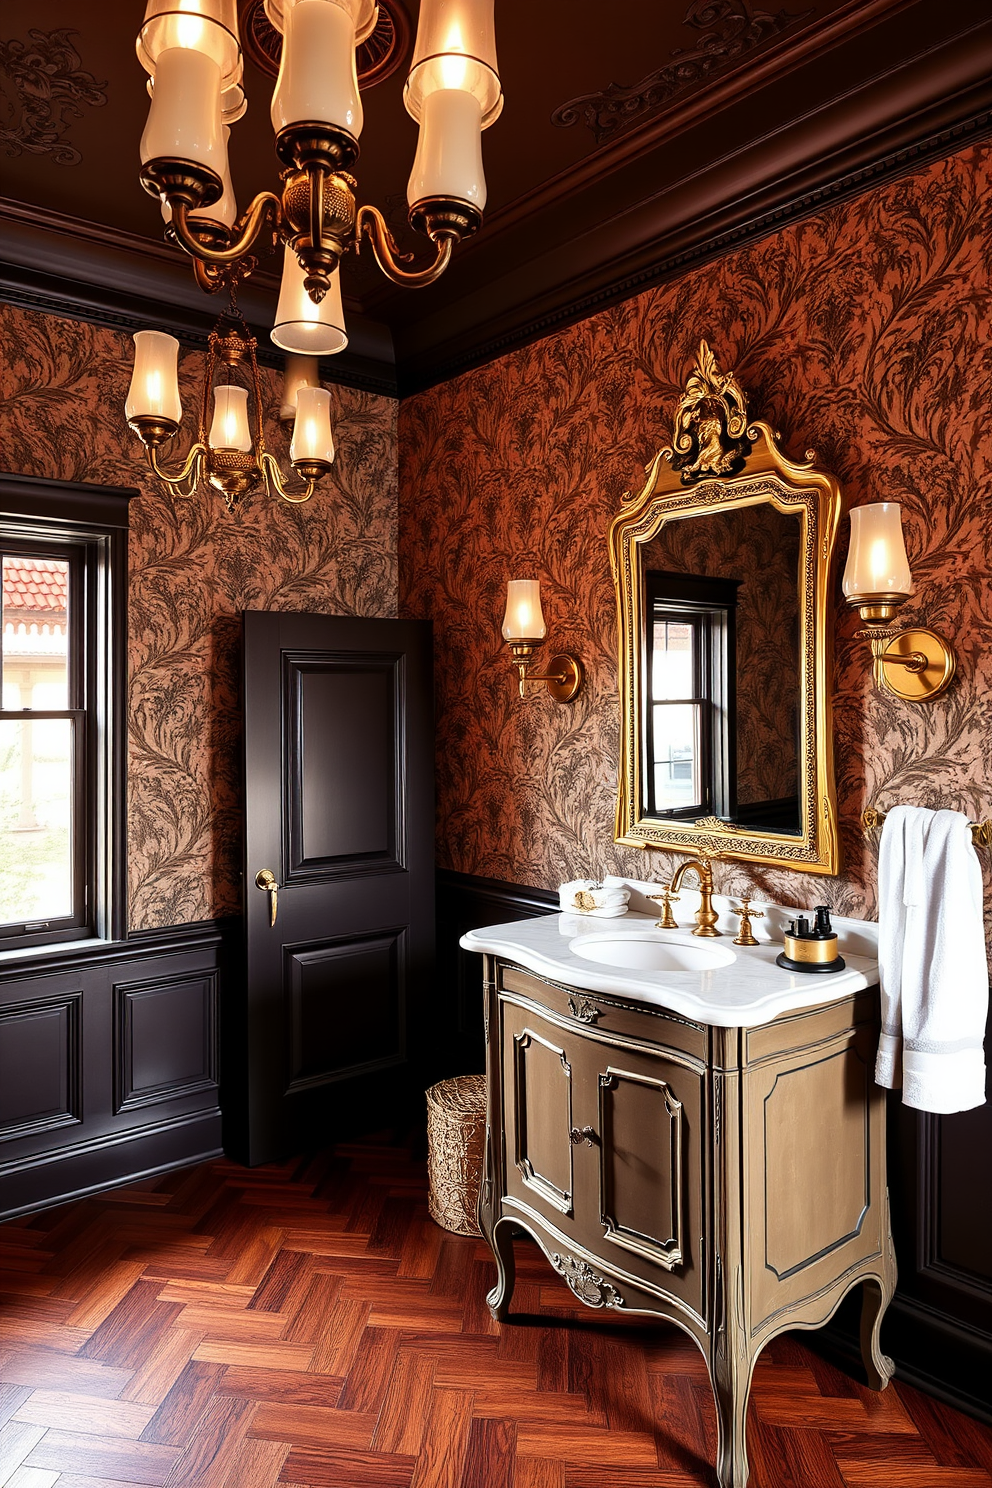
[(721, 566)]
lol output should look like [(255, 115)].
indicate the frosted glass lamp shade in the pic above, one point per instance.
[(456, 48), (364, 14), (154, 390), (302, 326), (312, 440), (448, 162), (523, 619), (184, 121), (229, 429), (299, 372), (224, 211), (877, 565), (317, 78), (206, 26)]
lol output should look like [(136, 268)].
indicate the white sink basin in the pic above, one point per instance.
[(651, 952)]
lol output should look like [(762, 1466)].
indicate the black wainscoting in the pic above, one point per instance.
[(938, 1328), (108, 1063), (468, 903)]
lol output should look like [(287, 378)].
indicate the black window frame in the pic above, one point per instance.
[(87, 524), (708, 607)]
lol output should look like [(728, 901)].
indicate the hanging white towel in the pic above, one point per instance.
[(589, 897), (932, 961)]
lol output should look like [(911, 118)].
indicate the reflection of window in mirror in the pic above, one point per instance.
[(691, 722)]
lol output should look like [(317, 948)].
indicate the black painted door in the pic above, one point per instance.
[(339, 775)]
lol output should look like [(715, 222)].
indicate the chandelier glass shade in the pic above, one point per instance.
[(192, 53)]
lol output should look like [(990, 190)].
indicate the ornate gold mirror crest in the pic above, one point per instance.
[(721, 565)]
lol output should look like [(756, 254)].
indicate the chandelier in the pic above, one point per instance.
[(192, 54), (191, 51)]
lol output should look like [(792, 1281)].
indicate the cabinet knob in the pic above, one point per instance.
[(586, 1135)]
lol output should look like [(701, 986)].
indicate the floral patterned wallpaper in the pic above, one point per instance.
[(863, 332), (192, 569)]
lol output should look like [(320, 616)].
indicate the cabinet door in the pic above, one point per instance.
[(649, 1143), (537, 1105)]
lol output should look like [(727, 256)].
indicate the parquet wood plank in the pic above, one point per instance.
[(314, 1425), (319, 1468), (85, 1413), (307, 1324), (89, 1456), (255, 1355), (17, 1441), (39, 1368)]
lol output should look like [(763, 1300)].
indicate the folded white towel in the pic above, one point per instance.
[(589, 897), (932, 961)]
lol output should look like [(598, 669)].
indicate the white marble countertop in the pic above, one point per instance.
[(751, 990)]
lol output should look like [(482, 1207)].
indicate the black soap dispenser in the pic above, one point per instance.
[(811, 949)]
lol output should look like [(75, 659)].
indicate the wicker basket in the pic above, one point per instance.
[(456, 1131)]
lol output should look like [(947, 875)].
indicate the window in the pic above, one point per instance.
[(690, 720), (60, 678)]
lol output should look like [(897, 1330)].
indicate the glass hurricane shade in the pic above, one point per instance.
[(317, 77), (523, 619), (229, 428), (312, 438), (302, 326), (455, 49), (233, 102), (209, 27), (184, 120), (224, 211), (154, 390), (364, 14), (448, 162), (876, 563), (299, 372)]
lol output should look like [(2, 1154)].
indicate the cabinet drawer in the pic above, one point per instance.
[(604, 1143), (598, 1011)]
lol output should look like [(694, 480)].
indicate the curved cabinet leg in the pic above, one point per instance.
[(878, 1366), (731, 1380), (498, 1299)]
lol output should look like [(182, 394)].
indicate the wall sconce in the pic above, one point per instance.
[(523, 629), (913, 664)]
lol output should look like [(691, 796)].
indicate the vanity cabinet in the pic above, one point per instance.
[(729, 1180)]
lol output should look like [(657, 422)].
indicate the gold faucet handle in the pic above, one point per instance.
[(668, 920), (745, 937)]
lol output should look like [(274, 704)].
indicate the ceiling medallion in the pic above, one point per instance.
[(728, 29), (378, 57)]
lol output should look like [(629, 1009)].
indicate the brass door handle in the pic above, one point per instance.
[(586, 1135), (265, 879)]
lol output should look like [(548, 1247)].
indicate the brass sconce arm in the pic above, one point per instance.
[(248, 228), (372, 224), (925, 662), (562, 681)]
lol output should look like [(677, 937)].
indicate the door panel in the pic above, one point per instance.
[(339, 769), (641, 1201), (343, 799)]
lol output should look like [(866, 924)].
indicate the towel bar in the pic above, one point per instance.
[(871, 817)]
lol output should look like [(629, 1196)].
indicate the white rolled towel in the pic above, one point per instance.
[(586, 896)]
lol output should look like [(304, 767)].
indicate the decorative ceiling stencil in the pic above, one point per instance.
[(43, 88), (728, 29), (377, 58)]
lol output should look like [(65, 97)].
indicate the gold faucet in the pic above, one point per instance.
[(706, 916)]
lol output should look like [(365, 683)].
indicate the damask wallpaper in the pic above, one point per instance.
[(192, 569), (759, 548), (862, 332)]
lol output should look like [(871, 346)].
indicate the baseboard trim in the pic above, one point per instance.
[(114, 1160)]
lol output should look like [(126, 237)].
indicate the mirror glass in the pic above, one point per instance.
[(721, 598)]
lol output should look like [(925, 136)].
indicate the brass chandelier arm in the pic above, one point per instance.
[(273, 476), (266, 203), (372, 223), (188, 476)]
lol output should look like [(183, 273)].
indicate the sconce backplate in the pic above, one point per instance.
[(910, 685), (569, 669)]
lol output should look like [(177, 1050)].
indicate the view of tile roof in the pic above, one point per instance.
[(34, 584)]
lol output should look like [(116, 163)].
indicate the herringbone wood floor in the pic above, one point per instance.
[(307, 1324)]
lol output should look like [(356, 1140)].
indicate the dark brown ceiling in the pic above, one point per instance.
[(632, 137)]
